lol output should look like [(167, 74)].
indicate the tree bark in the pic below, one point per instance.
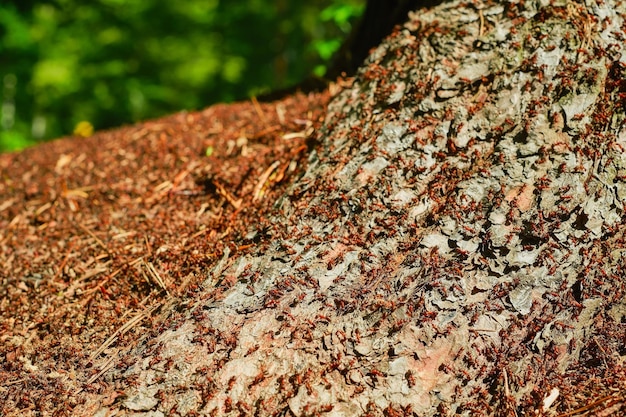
[(455, 248)]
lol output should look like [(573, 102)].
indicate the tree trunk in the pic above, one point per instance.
[(455, 248), (378, 21)]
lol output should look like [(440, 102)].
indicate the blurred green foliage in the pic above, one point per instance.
[(111, 62)]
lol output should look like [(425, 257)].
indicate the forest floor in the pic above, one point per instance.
[(101, 238), (99, 234)]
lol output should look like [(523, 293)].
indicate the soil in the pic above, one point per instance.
[(99, 233)]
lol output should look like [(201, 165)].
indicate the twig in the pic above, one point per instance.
[(155, 276), (507, 391), (107, 365), (63, 262), (590, 406), (481, 29), (265, 131), (606, 365), (263, 179), (258, 110), (228, 196), (148, 246), (126, 327), (92, 234)]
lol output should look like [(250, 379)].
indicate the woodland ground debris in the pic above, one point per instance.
[(449, 241)]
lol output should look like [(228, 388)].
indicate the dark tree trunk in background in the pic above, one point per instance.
[(378, 20)]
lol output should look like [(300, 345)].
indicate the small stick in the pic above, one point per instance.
[(589, 406), (263, 179), (258, 110), (155, 275), (126, 327), (228, 196), (108, 365), (481, 29), (63, 262), (92, 234)]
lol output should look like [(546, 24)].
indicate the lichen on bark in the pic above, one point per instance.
[(454, 248)]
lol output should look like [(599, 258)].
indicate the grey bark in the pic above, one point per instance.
[(455, 248)]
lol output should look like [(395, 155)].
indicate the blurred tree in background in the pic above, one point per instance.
[(110, 62)]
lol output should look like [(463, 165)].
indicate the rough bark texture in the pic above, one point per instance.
[(455, 247)]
